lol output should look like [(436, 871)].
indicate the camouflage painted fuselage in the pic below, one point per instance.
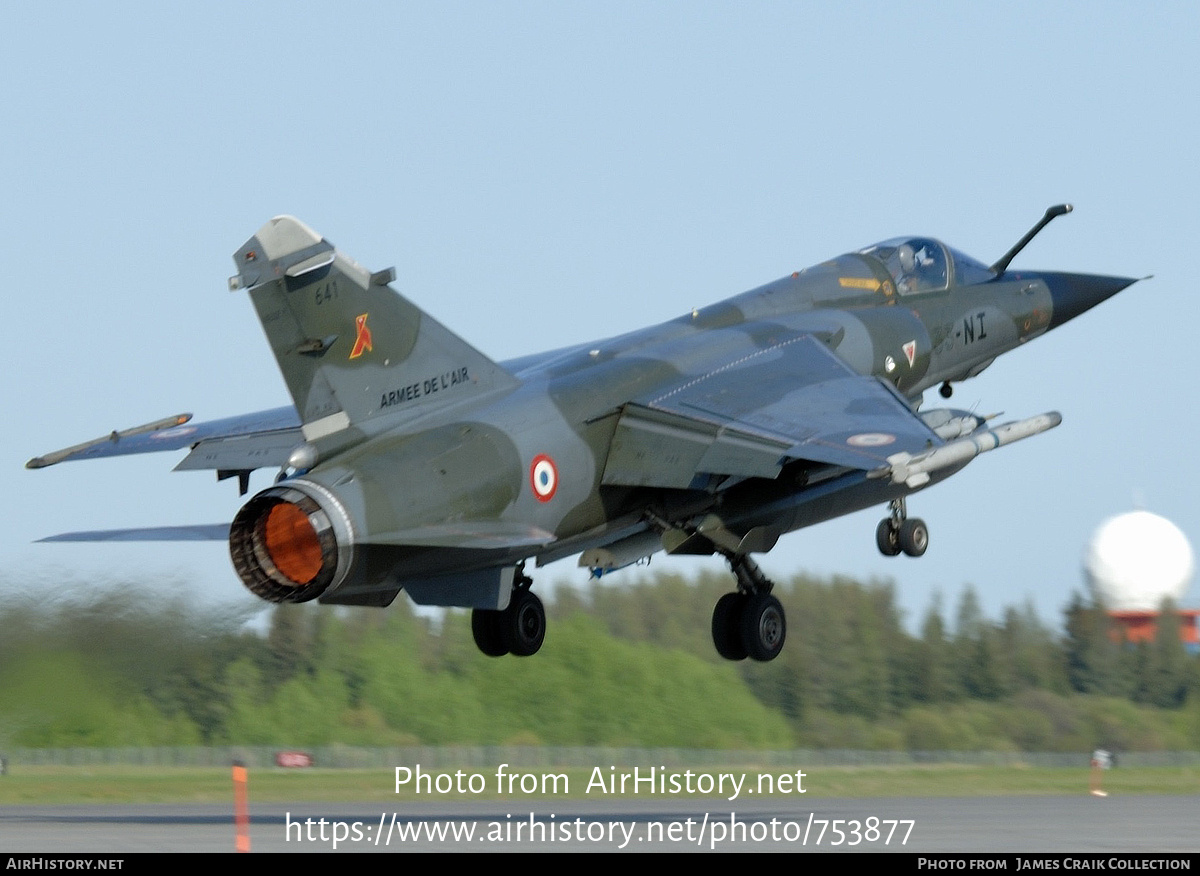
[(427, 467)]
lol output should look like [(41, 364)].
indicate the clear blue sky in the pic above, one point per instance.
[(546, 173)]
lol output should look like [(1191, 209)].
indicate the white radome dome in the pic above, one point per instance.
[(1136, 560)]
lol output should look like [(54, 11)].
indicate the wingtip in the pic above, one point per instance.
[(111, 438)]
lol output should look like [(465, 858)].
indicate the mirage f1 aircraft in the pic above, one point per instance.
[(410, 461)]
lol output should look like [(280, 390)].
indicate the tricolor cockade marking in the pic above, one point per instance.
[(543, 475)]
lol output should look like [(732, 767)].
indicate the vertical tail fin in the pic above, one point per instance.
[(351, 348)]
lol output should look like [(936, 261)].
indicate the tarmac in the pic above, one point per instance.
[(1001, 825)]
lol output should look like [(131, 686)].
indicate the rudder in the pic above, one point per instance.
[(349, 346)]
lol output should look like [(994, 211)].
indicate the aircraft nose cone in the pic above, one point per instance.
[(1072, 294)]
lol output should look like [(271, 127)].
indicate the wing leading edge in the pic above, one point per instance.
[(795, 400), (242, 443), (231, 446)]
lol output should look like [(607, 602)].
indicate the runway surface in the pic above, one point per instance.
[(992, 824)]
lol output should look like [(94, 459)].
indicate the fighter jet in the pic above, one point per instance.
[(408, 460)]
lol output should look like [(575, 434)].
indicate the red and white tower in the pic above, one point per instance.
[(1135, 561)]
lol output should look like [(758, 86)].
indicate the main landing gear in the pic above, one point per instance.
[(749, 623), (518, 629), (899, 532)]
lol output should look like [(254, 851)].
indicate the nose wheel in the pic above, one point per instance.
[(899, 533), (519, 629)]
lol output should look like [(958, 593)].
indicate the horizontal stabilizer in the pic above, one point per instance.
[(481, 534), (199, 532)]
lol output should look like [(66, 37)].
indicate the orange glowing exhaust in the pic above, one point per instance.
[(284, 547), (292, 543)]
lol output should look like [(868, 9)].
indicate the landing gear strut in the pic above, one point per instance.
[(750, 622), (899, 532), (519, 629)]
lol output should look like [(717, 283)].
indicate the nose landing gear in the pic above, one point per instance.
[(900, 533)]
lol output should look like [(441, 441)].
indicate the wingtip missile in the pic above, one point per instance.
[(112, 437), (915, 471)]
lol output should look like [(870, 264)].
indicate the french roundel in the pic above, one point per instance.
[(543, 476), (871, 439)]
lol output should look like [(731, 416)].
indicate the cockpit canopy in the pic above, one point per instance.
[(922, 264)]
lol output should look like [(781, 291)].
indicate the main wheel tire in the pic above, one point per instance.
[(764, 627), (524, 624), (914, 537), (727, 626), (488, 631), (887, 538)]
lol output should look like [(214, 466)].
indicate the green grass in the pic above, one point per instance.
[(123, 784)]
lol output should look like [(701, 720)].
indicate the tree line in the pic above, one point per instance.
[(629, 663)]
